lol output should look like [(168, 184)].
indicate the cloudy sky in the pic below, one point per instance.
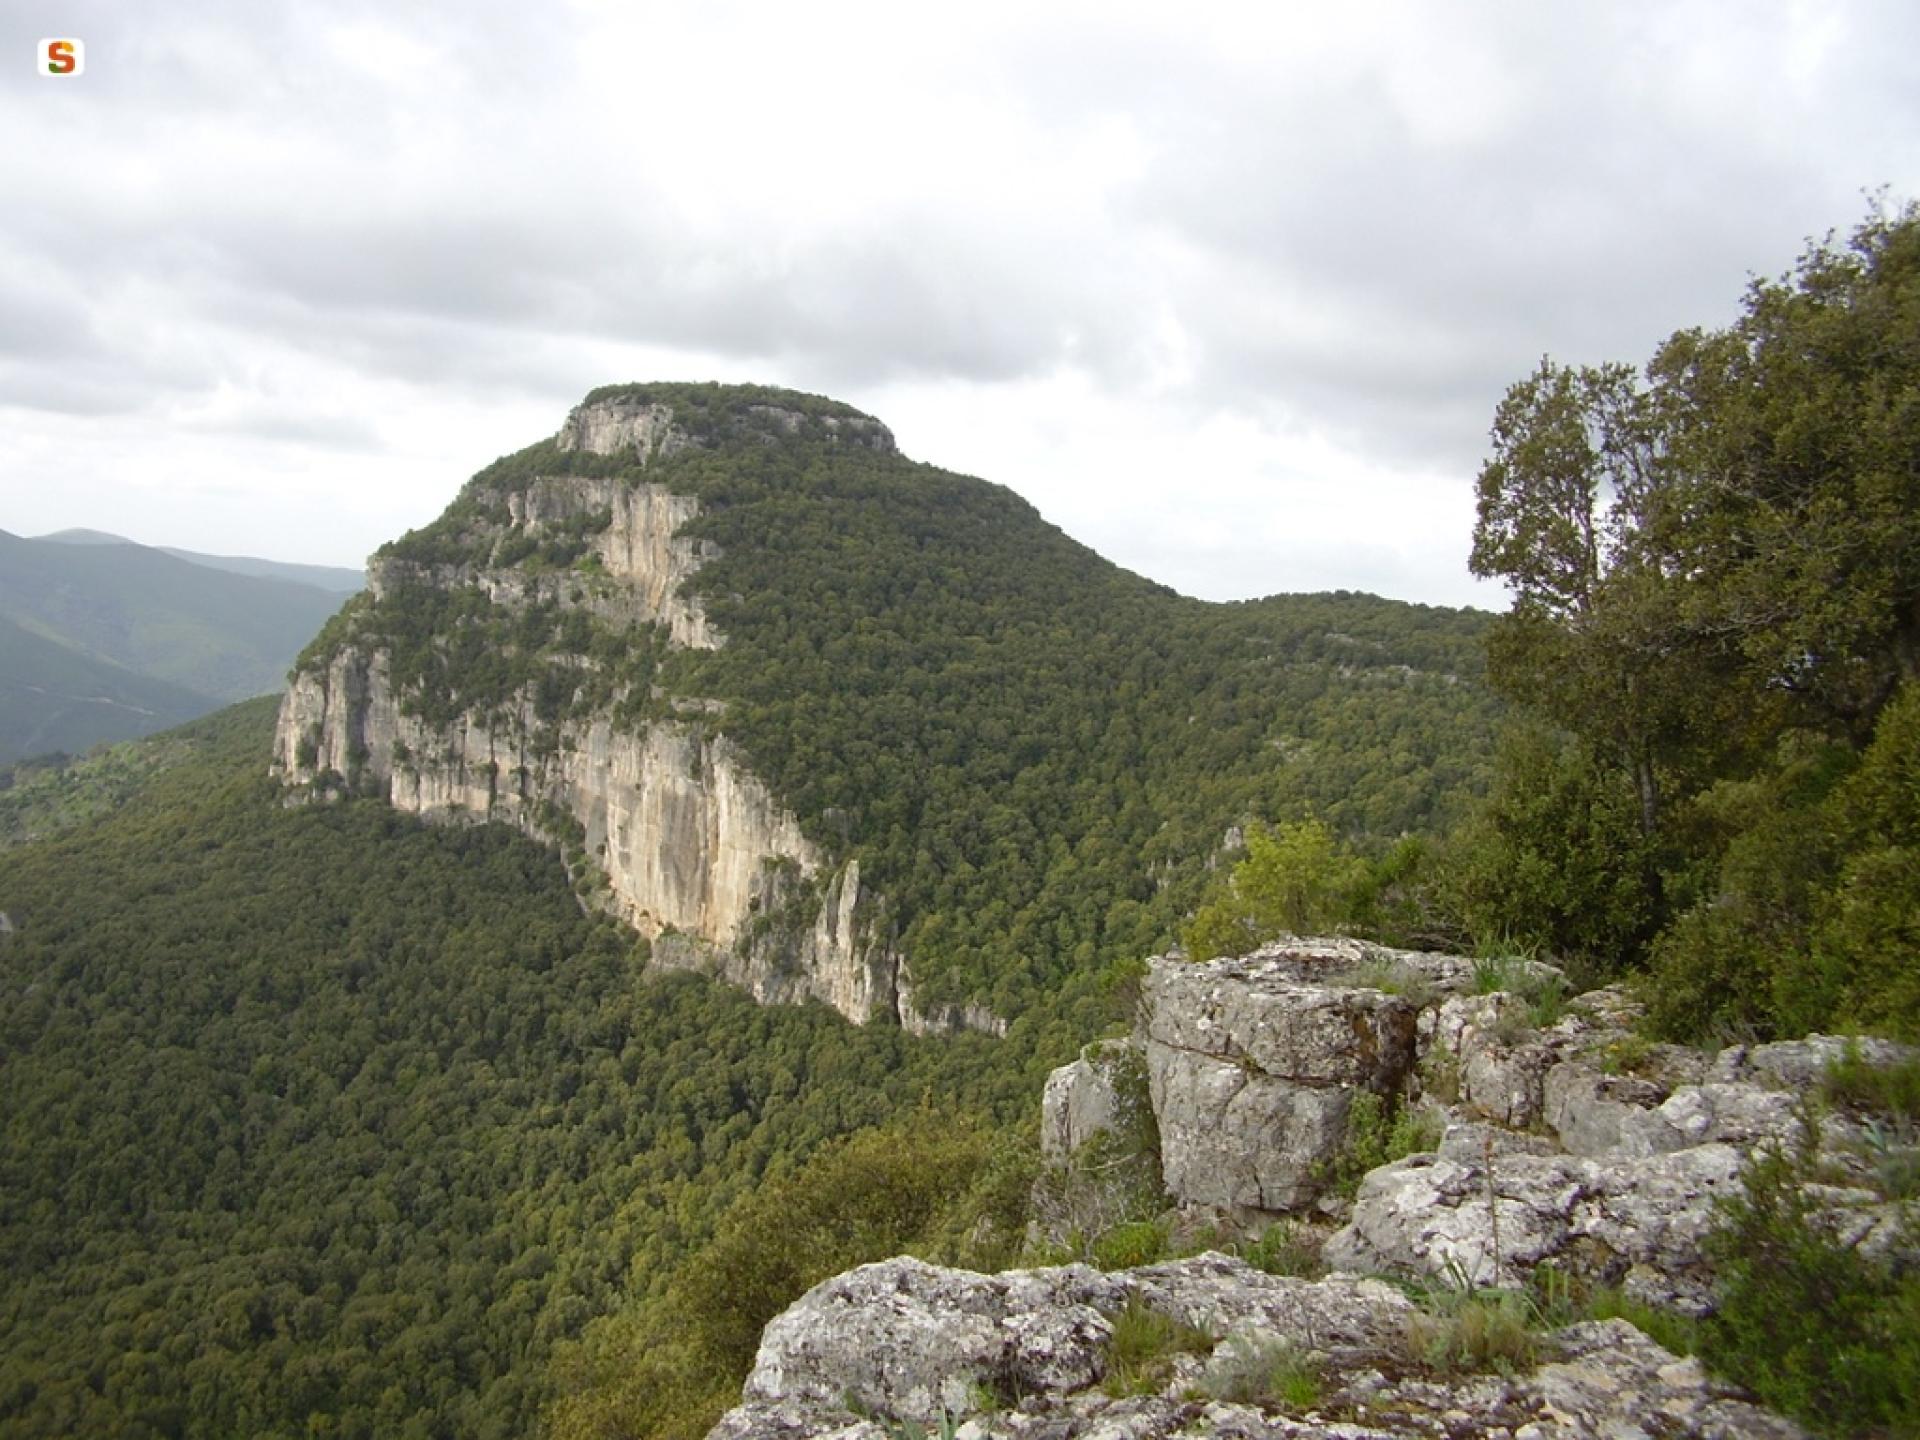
[(1228, 291)]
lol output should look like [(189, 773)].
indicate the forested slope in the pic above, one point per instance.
[(324, 1117)]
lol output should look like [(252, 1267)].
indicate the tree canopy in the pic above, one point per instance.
[(1715, 564)]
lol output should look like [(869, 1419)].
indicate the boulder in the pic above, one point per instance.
[(1101, 1093), (915, 1342), (1634, 1222), (1252, 1063)]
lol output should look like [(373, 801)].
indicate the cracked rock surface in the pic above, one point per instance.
[(1023, 1355)]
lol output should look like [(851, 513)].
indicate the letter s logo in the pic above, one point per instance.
[(62, 57)]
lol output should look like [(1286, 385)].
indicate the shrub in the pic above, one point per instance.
[(1296, 879), (1892, 1090), (1806, 1321), (1284, 1248), (1560, 1298), (1140, 1242), (1379, 1132)]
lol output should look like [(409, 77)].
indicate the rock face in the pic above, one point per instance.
[(1096, 1095), (1024, 1354), (1253, 1063), (693, 849)]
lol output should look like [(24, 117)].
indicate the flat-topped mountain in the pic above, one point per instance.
[(841, 725)]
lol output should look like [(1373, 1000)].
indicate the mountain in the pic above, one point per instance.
[(53, 698), (134, 631), (335, 579), (839, 725), (317, 1118)]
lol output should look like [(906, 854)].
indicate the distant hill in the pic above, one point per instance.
[(222, 635), (55, 698), (336, 579)]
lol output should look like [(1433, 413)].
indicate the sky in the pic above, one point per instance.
[(1229, 292)]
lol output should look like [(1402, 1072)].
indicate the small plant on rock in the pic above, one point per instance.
[(1475, 1331), (1391, 978), (1379, 1132), (1139, 1242), (1628, 1055), (1269, 1373), (1143, 1346), (1285, 1248)]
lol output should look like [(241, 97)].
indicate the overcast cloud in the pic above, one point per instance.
[(1230, 296)]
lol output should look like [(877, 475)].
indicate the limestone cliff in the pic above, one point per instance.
[(659, 816)]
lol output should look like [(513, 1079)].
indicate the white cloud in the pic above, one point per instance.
[(1230, 295)]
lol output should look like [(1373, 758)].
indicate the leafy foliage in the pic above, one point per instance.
[(1813, 1326), (1716, 574), (1296, 879), (1379, 1132)]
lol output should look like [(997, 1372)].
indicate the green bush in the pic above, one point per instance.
[(1379, 1132), (1296, 880), (1811, 1325), (1284, 1248), (1140, 1242)]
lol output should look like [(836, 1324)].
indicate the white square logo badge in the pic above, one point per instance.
[(61, 59)]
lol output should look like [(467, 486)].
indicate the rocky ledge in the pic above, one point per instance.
[(1545, 1133), (1557, 1134), (902, 1347)]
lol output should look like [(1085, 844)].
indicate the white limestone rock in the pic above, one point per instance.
[(1097, 1094), (1640, 1222), (1020, 1357), (1252, 1064)]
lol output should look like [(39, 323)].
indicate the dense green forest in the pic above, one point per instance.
[(319, 1121), (1033, 753)]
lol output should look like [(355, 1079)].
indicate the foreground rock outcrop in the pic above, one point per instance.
[(1034, 1354), (662, 819), (1558, 1136)]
